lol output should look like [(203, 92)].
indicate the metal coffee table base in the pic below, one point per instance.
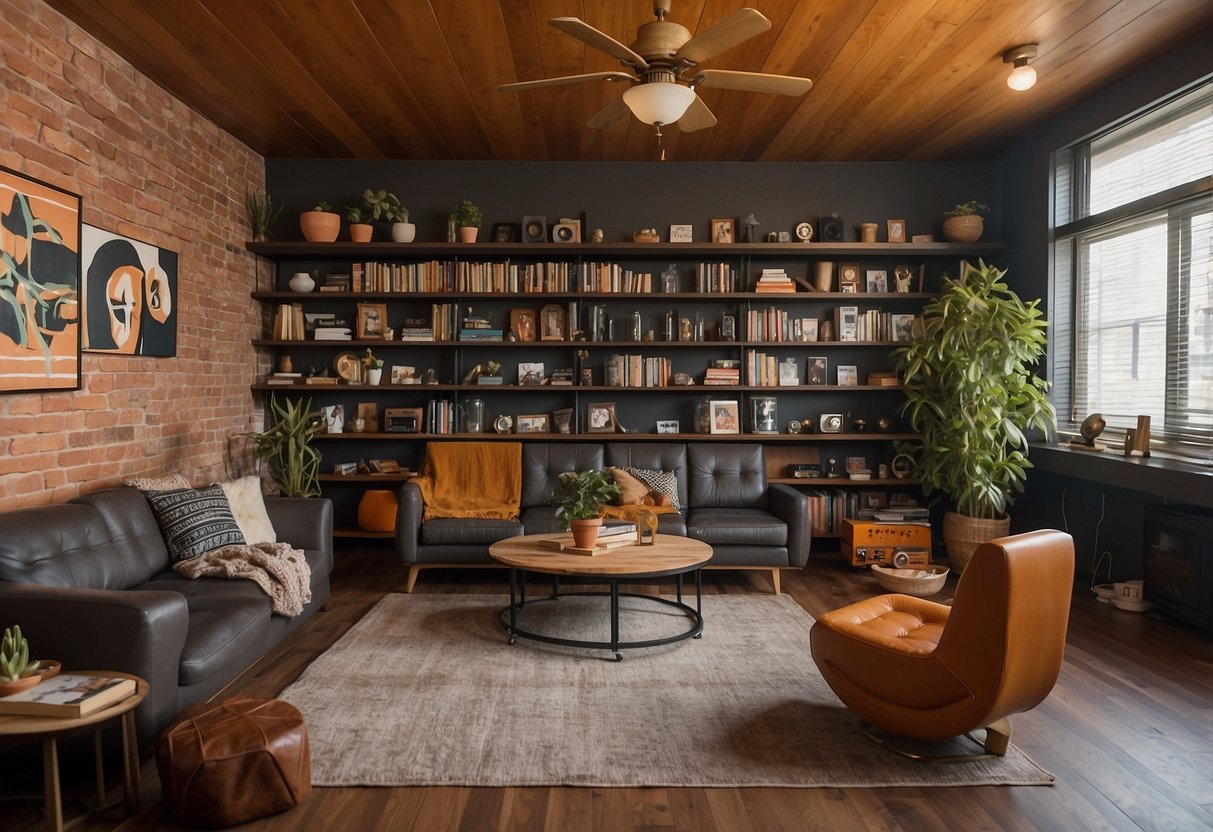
[(519, 602)]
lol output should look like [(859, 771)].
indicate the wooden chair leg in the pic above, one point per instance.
[(998, 737), (775, 580), (414, 571)]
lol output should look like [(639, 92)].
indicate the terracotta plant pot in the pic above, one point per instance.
[(962, 535), (966, 229), (468, 233), (320, 226), (585, 532), (361, 232), (377, 511)]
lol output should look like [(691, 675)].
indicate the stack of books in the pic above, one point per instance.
[(288, 323), (774, 280), (416, 329), (723, 373), (284, 378), (478, 328), (332, 329), (68, 695)]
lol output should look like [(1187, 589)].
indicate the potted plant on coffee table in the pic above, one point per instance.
[(579, 497), (963, 224), (971, 392), (321, 224), (467, 217)]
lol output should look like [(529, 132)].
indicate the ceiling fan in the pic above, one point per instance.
[(664, 62)]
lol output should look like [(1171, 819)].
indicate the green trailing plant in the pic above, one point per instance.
[(467, 215), (383, 205), (286, 446), (971, 391), (262, 213), (14, 656), (966, 209), (580, 495), (356, 215)]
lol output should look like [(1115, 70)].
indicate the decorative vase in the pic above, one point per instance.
[(301, 282), (360, 232), (373, 375), (966, 229), (962, 535), (585, 532), (377, 511), (320, 226), (468, 233), (404, 232)]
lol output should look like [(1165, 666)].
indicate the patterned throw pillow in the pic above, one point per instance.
[(194, 521), (659, 482), (168, 482)]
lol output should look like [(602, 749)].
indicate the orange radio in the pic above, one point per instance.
[(893, 544)]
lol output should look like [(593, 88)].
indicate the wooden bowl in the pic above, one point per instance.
[(912, 580)]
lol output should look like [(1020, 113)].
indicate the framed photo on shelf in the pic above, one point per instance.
[(789, 373), (848, 375), (873, 499), (877, 280), (725, 418), (817, 366), (681, 233), (857, 463), (551, 322), (600, 417), (372, 321), (666, 426), (563, 420), (530, 373), (532, 423), (402, 374), (848, 277), (897, 231), (522, 322), (506, 232), (808, 329), (723, 231), (902, 324)]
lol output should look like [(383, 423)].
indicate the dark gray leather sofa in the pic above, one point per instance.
[(722, 490), (90, 583)]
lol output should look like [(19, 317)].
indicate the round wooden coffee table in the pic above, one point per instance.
[(47, 729), (668, 555)]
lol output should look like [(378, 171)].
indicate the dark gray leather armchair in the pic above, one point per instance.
[(723, 495)]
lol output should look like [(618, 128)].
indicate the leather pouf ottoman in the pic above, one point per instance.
[(229, 762)]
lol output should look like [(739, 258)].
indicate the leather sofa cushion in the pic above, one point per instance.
[(540, 520), (222, 624), (737, 526), (726, 476), (542, 465), (461, 531)]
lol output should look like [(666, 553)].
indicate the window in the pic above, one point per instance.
[(1133, 275)]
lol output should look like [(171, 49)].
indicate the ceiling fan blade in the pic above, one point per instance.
[(566, 79), (586, 33), (697, 117), (728, 79), (741, 25), (615, 112)]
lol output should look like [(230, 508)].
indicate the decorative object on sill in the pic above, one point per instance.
[(377, 510), (1022, 77), (1138, 439), (963, 224), (1089, 431)]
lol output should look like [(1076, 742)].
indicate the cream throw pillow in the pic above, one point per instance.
[(248, 507)]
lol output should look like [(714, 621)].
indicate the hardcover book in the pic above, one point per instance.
[(70, 695)]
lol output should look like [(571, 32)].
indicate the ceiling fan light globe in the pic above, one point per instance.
[(1022, 77), (658, 103)]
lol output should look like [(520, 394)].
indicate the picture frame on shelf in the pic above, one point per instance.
[(816, 368), (522, 322), (896, 230), (532, 423), (600, 417), (723, 230), (848, 375), (371, 322), (901, 325), (530, 373), (789, 373), (873, 499), (368, 412), (551, 322), (726, 416), (682, 233), (506, 232), (403, 374), (877, 281), (808, 329), (857, 463), (667, 426), (848, 278)]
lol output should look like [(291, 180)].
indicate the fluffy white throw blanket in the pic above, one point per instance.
[(281, 572)]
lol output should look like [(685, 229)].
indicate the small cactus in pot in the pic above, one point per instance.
[(14, 656)]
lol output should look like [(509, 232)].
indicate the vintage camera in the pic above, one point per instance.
[(829, 229), (402, 419), (829, 423), (564, 232)]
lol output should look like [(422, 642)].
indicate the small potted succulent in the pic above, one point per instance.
[(963, 224), (321, 224), (372, 366), (579, 497), (467, 218), (262, 214), (17, 672)]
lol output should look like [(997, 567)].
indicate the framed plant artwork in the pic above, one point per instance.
[(725, 417), (39, 285), (372, 321), (551, 322), (600, 417), (723, 231)]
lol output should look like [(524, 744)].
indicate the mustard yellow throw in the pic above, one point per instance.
[(481, 480)]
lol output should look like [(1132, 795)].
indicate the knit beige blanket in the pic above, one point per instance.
[(280, 571)]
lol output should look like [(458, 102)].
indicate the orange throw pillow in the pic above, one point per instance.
[(631, 490)]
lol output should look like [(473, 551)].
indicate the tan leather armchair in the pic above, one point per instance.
[(919, 669)]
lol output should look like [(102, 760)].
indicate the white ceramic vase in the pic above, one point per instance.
[(404, 232), (301, 282)]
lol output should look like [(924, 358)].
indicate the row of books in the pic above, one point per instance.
[(774, 324), (638, 371), (853, 324), (714, 278), (764, 370), (289, 324)]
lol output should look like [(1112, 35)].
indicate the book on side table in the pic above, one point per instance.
[(68, 695)]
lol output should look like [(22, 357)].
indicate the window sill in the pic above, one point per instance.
[(1167, 479)]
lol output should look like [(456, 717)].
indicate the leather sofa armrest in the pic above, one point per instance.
[(408, 522), (791, 505), (303, 522), (139, 632)]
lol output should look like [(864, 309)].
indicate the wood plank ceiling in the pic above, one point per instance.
[(409, 79)]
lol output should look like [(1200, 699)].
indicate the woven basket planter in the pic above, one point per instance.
[(966, 229), (962, 535)]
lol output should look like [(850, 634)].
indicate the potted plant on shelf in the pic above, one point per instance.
[(287, 446), (468, 218), (361, 229), (971, 392), (963, 224), (579, 497), (321, 224), (373, 367), (262, 214), (383, 205)]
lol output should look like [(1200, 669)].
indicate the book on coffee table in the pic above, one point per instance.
[(69, 695), (564, 545)]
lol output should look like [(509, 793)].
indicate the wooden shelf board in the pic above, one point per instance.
[(700, 389), (805, 438), (362, 534), (873, 297), (477, 251), (841, 482), (364, 479)]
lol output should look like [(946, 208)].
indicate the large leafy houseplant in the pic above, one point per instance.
[(287, 446), (972, 394)]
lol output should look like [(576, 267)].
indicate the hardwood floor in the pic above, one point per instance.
[(1128, 731)]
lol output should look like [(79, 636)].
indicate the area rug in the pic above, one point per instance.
[(424, 690)]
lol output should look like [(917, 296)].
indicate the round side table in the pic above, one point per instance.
[(17, 730)]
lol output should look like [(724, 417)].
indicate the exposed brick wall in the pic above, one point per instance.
[(79, 117)]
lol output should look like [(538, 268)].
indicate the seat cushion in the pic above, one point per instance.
[(899, 623), (461, 531), (222, 624), (737, 526), (541, 520)]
